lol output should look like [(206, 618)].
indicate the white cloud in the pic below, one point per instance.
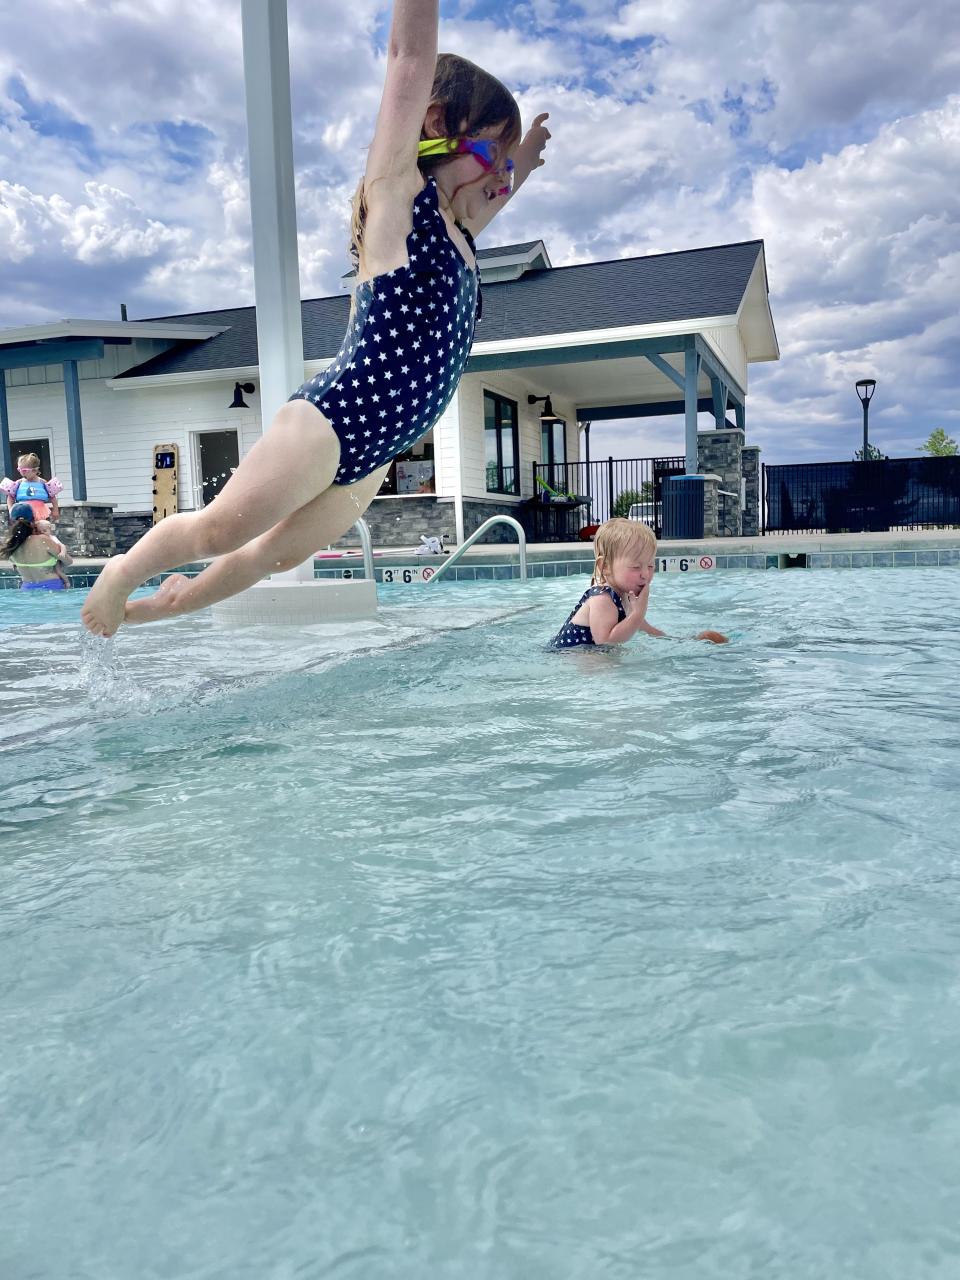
[(217, 269), (823, 127), (107, 225)]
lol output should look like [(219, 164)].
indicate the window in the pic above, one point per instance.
[(41, 447), (411, 472), (553, 450), (501, 443)]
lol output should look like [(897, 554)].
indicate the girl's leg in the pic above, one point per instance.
[(289, 466), (283, 547)]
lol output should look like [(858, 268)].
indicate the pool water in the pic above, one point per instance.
[(417, 951)]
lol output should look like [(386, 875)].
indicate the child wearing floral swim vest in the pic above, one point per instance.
[(32, 488), (614, 607), (446, 157)]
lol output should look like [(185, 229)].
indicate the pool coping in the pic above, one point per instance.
[(499, 561)]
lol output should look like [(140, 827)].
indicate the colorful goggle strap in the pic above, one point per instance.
[(485, 150)]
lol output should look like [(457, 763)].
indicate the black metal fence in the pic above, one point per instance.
[(838, 497), (608, 486)]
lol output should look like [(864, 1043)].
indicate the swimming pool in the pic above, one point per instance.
[(455, 958)]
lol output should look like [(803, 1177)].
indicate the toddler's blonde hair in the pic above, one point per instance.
[(615, 538), (29, 460)]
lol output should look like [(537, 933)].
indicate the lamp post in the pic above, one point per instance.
[(865, 390)]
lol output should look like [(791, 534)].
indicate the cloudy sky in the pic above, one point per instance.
[(829, 128)]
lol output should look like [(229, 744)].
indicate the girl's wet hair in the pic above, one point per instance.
[(472, 100), (20, 530), (618, 537)]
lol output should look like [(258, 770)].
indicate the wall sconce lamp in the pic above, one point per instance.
[(547, 410), (238, 390)]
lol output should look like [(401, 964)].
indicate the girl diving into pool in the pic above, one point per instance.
[(446, 157)]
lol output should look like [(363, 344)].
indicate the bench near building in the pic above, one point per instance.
[(636, 337)]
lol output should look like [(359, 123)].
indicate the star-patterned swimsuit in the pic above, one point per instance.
[(571, 635), (405, 350)]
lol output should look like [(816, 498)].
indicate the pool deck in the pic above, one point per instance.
[(496, 560)]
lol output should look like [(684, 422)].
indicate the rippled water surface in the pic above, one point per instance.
[(419, 952)]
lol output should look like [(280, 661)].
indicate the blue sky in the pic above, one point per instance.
[(830, 130)]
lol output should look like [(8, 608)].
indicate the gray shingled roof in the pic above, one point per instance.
[(657, 289), (508, 250)]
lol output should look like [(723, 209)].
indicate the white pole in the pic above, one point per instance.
[(273, 210)]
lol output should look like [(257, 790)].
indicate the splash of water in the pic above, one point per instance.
[(104, 677)]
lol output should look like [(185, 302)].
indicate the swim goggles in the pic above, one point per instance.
[(485, 150)]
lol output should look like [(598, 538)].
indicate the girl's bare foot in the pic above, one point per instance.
[(162, 604), (102, 612)]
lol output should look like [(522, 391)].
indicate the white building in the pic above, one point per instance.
[(666, 333)]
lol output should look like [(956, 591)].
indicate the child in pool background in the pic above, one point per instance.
[(445, 158), (55, 544), (614, 607), (34, 552), (32, 488)]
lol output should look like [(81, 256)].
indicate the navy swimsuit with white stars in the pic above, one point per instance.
[(405, 350), (571, 635)]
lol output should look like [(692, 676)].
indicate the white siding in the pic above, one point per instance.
[(446, 450), (729, 343), (472, 443), (120, 429)]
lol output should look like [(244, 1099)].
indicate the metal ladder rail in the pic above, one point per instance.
[(363, 529), (487, 524)]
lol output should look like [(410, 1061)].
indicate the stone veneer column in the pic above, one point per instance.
[(750, 461), (711, 506), (719, 454), (86, 529)]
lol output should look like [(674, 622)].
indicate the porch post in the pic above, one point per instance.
[(741, 415), (586, 444), (273, 210), (71, 390), (273, 213), (691, 368), (719, 390), (6, 459)]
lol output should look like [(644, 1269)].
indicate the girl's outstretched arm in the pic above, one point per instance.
[(411, 66), (529, 153), (527, 156)]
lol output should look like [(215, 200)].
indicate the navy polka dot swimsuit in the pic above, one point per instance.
[(571, 635), (405, 350)]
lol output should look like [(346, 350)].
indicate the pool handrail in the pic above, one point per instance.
[(487, 524), (363, 529)]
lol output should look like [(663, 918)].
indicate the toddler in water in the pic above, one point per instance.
[(45, 529), (445, 158), (614, 608)]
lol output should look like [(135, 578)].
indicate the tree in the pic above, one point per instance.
[(873, 454), (939, 445), (626, 500)]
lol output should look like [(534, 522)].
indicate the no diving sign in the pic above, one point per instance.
[(685, 564)]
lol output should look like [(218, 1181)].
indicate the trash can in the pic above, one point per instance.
[(682, 507)]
